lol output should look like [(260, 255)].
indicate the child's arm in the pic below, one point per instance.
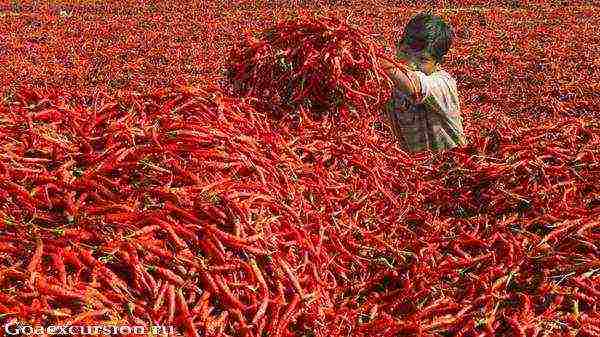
[(405, 79)]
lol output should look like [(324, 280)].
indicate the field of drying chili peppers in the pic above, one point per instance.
[(225, 168)]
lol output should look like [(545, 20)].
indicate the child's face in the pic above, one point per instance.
[(421, 61)]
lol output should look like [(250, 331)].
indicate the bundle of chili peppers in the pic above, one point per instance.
[(189, 208), (322, 65), (500, 239), (497, 238), (142, 212)]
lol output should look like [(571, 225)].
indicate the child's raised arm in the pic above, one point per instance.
[(404, 78)]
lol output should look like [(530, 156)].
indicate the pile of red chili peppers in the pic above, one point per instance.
[(316, 64), (191, 208)]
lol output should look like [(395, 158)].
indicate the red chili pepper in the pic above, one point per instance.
[(186, 316), (171, 303), (169, 275), (58, 292)]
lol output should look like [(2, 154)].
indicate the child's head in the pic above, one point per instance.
[(427, 39)]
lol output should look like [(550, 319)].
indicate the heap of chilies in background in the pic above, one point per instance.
[(319, 66), (194, 209)]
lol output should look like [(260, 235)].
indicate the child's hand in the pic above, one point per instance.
[(386, 64)]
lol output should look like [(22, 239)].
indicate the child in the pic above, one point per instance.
[(424, 108)]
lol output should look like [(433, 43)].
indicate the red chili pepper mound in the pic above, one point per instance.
[(142, 209), (191, 209), (322, 65)]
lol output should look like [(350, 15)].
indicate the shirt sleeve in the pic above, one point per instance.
[(440, 98), (440, 89)]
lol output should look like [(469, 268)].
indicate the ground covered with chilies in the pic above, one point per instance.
[(183, 206)]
